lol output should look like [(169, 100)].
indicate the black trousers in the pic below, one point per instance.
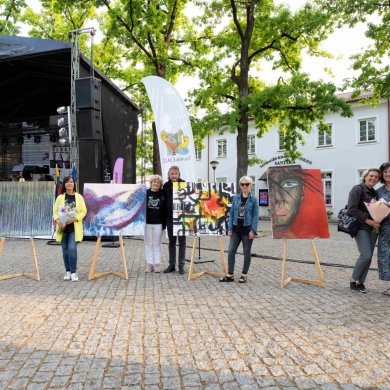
[(172, 246)]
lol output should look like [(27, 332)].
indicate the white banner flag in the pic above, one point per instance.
[(174, 132)]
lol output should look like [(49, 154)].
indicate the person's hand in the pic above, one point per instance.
[(373, 224), (230, 233), (60, 225), (251, 235)]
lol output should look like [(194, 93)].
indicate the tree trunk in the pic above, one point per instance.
[(242, 149), (156, 153)]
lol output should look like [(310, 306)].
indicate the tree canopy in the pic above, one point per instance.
[(10, 13), (372, 63), (231, 90)]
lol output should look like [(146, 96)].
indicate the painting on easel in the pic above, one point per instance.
[(201, 208), (115, 209), (26, 208), (296, 201)]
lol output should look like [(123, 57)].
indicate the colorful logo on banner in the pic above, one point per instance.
[(176, 143), (175, 139)]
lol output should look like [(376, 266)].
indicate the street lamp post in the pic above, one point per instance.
[(214, 165)]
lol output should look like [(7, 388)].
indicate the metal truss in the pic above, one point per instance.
[(74, 36)]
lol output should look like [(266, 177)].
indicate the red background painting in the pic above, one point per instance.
[(312, 220)]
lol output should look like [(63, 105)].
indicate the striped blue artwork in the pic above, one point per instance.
[(26, 208)]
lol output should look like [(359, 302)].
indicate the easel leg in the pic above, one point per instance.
[(95, 255), (2, 244), (124, 273), (221, 251), (191, 275), (284, 282), (320, 282), (318, 265), (31, 276), (36, 276)]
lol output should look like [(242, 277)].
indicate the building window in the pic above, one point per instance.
[(367, 130), (282, 141), (253, 188), (327, 185), (222, 148), (324, 138), (198, 153), (252, 144)]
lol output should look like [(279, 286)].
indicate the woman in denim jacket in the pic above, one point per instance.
[(242, 227)]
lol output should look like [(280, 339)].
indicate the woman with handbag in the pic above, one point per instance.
[(365, 237), (384, 234)]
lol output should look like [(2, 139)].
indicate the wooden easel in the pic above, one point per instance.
[(123, 275), (36, 276), (191, 275), (320, 282)]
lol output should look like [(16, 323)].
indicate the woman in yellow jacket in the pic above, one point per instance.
[(70, 232)]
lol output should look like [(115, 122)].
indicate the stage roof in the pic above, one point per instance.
[(36, 78)]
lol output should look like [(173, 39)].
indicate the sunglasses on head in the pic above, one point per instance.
[(244, 184)]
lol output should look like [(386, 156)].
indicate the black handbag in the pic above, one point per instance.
[(346, 223)]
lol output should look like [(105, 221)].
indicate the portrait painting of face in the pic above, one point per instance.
[(296, 203)]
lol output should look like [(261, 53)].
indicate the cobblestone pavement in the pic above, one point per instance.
[(161, 331)]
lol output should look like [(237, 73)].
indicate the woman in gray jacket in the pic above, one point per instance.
[(365, 237), (242, 227)]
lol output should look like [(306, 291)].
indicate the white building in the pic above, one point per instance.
[(356, 143)]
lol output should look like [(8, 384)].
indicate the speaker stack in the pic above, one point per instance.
[(88, 106)]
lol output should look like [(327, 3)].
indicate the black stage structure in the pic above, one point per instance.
[(35, 80)]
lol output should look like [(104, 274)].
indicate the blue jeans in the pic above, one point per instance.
[(69, 252), (235, 240)]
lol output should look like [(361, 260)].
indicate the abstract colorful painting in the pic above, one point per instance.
[(26, 208), (296, 202), (201, 208), (115, 209)]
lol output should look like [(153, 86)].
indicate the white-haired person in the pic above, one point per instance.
[(155, 223), (242, 227)]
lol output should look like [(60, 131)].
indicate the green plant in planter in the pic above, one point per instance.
[(329, 213)]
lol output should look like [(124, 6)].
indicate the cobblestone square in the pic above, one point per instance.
[(161, 331)]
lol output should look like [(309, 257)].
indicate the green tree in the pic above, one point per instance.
[(372, 64), (250, 34), (10, 12), (155, 37)]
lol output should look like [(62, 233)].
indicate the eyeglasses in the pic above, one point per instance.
[(245, 184)]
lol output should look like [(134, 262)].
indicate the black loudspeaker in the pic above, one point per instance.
[(89, 124), (88, 93)]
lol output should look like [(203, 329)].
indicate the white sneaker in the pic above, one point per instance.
[(74, 277), (67, 276)]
